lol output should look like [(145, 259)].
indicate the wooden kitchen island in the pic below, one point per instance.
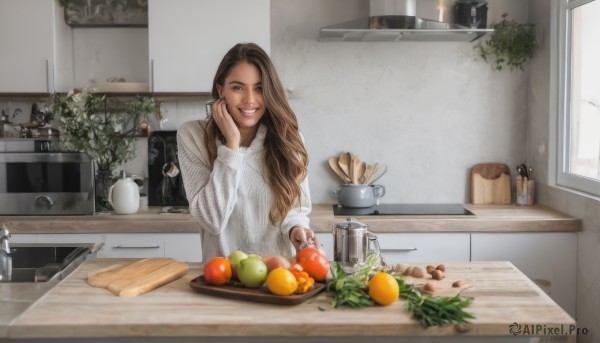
[(74, 311)]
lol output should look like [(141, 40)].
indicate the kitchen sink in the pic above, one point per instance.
[(44, 263)]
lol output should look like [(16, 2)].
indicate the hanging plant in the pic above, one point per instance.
[(511, 44)]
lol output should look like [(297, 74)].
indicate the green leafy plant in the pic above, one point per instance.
[(102, 127), (511, 44)]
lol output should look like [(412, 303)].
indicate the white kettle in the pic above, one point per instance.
[(124, 196)]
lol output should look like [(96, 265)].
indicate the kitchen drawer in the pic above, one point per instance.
[(424, 247), (133, 246), (548, 258)]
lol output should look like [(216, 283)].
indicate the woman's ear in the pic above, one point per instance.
[(220, 90)]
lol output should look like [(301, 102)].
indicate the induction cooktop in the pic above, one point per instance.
[(404, 209)]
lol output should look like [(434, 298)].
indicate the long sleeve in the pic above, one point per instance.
[(299, 214), (212, 194)]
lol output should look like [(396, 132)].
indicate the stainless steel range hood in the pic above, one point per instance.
[(396, 20)]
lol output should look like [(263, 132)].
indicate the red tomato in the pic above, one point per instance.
[(217, 271), (313, 262)]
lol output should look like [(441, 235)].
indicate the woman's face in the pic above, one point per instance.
[(243, 94)]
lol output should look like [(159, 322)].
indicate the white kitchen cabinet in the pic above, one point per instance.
[(188, 39), (35, 45), (424, 247), (549, 259), (180, 246)]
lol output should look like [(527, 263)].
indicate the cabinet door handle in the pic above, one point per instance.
[(399, 250), (48, 76), (136, 247), (152, 75)]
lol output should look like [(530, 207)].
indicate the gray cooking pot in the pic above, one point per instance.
[(359, 195)]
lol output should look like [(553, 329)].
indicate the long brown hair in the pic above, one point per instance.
[(286, 159)]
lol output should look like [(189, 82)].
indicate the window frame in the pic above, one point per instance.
[(563, 95)]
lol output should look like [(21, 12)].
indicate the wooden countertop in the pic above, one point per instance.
[(502, 296), (487, 218)]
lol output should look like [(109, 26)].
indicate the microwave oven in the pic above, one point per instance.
[(46, 183)]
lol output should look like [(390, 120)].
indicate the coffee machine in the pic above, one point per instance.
[(165, 184)]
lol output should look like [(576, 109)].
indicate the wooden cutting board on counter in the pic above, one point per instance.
[(138, 277), (490, 184)]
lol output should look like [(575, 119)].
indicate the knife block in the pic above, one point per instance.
[(490, 184)]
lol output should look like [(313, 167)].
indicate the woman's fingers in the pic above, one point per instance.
[(226, 124), (303, 237)]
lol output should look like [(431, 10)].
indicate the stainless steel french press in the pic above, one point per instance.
[(352, 243)]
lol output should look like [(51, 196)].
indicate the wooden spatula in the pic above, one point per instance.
[(333, 164), (344, 163)]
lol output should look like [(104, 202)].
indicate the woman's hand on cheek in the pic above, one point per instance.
[(226, 124)]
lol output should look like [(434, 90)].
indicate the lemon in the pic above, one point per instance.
[(384, 289), (281, 281)]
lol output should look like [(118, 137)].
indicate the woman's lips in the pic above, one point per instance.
[(248, 112)]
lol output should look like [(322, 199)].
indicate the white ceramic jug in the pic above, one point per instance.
[(124, 196)]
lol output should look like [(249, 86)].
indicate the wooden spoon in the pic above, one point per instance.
[(359, 173), (354, 161), (378, 172), (333, 163), (367, 174), (344, 163)]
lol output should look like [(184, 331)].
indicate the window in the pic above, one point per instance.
[(579, 108)]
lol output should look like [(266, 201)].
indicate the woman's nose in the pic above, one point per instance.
[(250, 97)]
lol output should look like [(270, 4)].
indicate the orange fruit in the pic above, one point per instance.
[(384, 289), (281, 281)]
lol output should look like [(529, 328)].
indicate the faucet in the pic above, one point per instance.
[(5, 258)]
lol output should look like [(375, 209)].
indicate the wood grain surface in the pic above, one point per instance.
[(490, 184), (235, 290), (502, 295), (137, 277), (490, 218)]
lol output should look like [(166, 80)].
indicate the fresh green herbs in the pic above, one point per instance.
[(511, 44), (433, 311), (352, 290), (348, 290)]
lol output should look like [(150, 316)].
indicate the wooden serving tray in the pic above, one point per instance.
[(235, 290)]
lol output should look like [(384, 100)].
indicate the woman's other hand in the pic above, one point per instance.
[(302, 237), (226, 124)]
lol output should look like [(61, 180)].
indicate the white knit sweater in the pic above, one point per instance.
[(232, 201)]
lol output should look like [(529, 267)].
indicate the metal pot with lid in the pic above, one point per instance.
[(352, 243)]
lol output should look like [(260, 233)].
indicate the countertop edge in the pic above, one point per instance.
[(486, 218)]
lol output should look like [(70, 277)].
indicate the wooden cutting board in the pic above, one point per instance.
[(490, 184), (138, 277)]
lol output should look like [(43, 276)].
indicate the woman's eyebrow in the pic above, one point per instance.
[(243, 84)]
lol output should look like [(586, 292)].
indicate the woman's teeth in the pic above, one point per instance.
[(248, 112)]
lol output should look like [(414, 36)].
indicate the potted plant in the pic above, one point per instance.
[(511, 44), (104, 128)]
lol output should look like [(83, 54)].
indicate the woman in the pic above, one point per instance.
[(245, 167)]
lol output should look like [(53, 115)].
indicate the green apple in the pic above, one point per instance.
[(252, 272), (234, 259)]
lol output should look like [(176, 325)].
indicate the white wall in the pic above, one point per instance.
[(579, 206), (429, 110)]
